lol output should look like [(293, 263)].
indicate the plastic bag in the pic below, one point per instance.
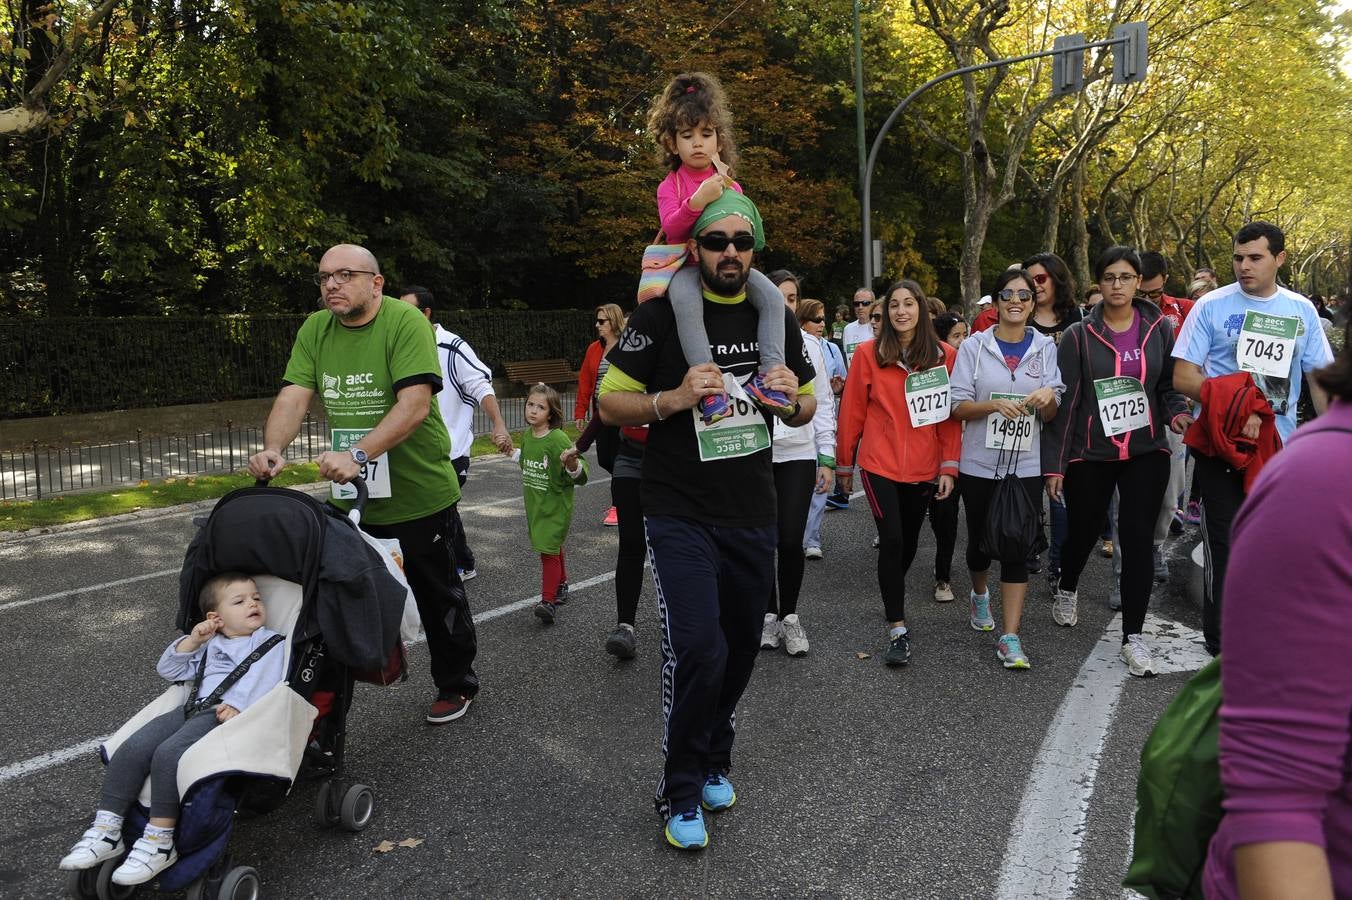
[(410, 626)]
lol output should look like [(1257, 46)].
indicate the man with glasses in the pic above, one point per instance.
[(1256, 326), (467, 384), (860, 330), (708, 496), (374, 364)]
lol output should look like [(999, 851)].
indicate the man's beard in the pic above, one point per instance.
[(726, 284)]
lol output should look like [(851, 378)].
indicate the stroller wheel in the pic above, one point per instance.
[(358, 803), (83, 884), (240, 883), (105, 888), (326, 816)]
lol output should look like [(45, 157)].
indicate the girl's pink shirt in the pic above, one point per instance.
[(678, 219)]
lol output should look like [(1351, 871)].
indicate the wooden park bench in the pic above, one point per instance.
[(532, 371)]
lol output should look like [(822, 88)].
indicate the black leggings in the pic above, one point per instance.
[(898, 512), (977, 493), (624, 494), (1140, 482), (794, 480), (943, 516)]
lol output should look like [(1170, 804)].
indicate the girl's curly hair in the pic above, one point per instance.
[(689, 99)]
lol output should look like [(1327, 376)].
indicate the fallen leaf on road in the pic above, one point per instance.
[(410, 842), (860, 654), (384, 846)]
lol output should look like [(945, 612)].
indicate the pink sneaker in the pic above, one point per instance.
[(612, 518)]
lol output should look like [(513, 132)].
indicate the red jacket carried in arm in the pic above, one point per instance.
[(1227, 403)]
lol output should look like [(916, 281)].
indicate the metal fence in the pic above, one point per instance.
[(63, 366), (49, 471)]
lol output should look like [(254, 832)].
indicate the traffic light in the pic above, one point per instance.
[(1068, 65), (1129, 57)]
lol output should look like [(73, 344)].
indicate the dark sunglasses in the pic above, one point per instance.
[(1041, 278), (1151, 295), (863, 303), (819, 320), (1009, 294), (876, 317), (717, 243), (601, 321)]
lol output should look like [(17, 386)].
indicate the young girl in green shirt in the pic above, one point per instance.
[(550, 469)]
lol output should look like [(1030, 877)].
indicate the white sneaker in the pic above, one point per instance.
[(876, 542), (1065, 608), (771, 632), (1136, 654), (795, 638), (96, 846), (146, 860), (943, 592), (812, 553)]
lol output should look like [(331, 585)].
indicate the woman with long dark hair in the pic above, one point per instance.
[(895, 422), (1108, 435)]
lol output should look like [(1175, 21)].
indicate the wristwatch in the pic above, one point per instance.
[(359, 456)]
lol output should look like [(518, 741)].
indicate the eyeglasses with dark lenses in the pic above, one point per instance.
[(1009, 294), (863, 303), (717, 243), (1041, 278), (876, 317), (601, 321), (1152, 295), (342, 276), (819, 320)]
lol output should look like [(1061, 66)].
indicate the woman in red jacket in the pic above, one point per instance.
[(609, 324), (894, 423)]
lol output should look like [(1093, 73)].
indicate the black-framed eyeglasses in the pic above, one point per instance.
[(1124, 278), (863, 303), (602, 321), (1152, 295), (1009, 294), (717, 242), (342, 276), (819, 320), (876, 317)]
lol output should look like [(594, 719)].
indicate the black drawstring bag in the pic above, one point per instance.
[(1013, 524)]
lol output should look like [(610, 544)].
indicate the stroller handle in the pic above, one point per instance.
[(357, 507)]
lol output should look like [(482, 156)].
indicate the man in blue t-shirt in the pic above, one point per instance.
[(1257, 326)]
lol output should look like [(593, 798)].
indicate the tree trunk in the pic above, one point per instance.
[(1079, 227), (977, 178), (1051, 223)]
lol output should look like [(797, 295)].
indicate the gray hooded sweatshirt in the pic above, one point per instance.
[(981, 370)]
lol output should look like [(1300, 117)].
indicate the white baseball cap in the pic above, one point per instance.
[(985, 300)]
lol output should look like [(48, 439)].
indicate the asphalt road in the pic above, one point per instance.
[(853, 779)]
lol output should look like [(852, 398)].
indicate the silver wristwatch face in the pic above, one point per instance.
[(359, 456)]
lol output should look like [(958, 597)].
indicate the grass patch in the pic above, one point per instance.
[(21, 515)]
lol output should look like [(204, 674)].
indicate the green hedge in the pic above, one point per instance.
[(60, 366)]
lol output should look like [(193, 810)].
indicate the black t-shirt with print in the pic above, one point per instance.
[(1055, 331), (737, 492)]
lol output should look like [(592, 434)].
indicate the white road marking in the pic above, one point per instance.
[(1042, 858), (57, 757), (15, 604)]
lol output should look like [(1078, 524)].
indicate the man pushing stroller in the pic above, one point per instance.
[(226, 659)]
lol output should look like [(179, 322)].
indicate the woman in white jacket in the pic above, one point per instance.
[(804, 462), (1005, 385)]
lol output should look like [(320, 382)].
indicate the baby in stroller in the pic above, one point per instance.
[(226, 659)]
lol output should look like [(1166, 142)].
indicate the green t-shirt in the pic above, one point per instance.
[(548, 489), (358, 373)]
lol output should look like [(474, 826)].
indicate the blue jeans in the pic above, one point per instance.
[(816, 511)]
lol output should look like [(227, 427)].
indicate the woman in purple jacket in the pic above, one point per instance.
[(1108, 435), (1286, 674)]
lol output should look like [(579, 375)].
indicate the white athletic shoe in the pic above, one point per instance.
[(943, 592), (812, 553), (795, 637), (95, 847), (1065, 608), (1136, 654), (146, 860), (771, 632)]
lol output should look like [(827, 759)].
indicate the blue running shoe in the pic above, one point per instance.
[(981, 618), (686, 831), (838, 501), (775, 401), (714, 407), (718, 793)]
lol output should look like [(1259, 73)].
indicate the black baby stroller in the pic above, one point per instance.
[(332, 594)]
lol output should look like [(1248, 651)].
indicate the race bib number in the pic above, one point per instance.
[(741, 433), (1122, 405), (927, 397), (376, 472), (1267, 344), (1009, 434)]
